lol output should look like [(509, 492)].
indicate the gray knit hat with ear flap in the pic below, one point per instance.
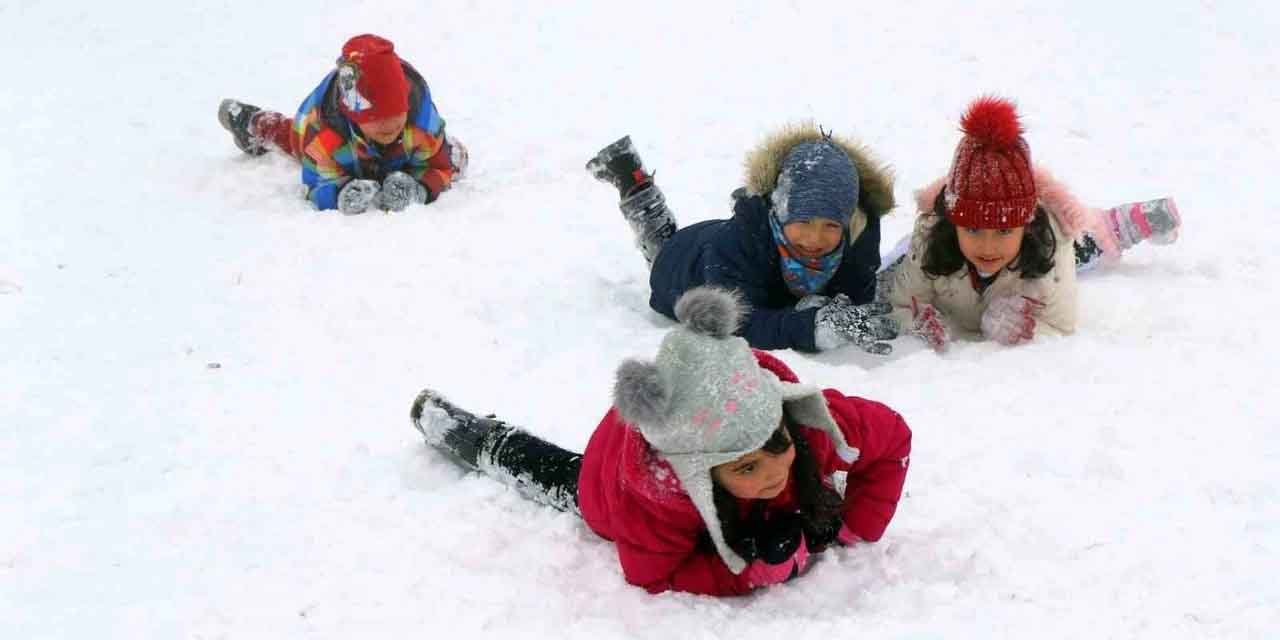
[(705, 401)]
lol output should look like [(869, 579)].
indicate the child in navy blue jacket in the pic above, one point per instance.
[(802, 248)]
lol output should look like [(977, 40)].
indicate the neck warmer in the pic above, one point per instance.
[(804, 276)]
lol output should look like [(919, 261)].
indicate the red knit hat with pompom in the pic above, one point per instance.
[(371, 82), (990, 185)]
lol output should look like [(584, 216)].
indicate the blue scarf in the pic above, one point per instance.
[(804, 276)]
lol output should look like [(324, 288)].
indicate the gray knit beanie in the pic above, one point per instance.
[(705, 401), (817, 180)]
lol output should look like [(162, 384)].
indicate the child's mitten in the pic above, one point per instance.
[(399, 190), (1010, 320), (356, 196), (841, 322), (927, 323), (779, 550)]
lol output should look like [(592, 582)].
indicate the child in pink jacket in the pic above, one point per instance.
[(998, 241), (712, 472)]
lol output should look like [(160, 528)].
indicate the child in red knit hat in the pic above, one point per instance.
[(368, 136), (998, 241)]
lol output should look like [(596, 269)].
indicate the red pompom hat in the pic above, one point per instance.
[(990, 185), (371, 82)]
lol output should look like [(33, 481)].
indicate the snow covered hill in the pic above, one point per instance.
[(204, 385)]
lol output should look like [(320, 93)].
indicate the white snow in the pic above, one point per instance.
[(204, 385)]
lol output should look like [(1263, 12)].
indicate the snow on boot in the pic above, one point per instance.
[(620, 165), (454, 431), (236, 118), (650, 219), (1154, 220)]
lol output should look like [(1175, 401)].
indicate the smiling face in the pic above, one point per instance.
[(989, 250), (758, 475), (815, 237), (385, 130)]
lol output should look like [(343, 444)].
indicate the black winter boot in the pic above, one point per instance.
[(236, 117), (650, 219), (456, 432), (620, 165)]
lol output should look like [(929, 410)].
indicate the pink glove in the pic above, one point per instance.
[(927, 323), (760, 573), (1011, 320), (847, 537)]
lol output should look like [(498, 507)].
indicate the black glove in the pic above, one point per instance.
[(772, 541)]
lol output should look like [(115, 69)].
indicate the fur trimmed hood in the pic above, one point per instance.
[(764, 163), (1073, 217)]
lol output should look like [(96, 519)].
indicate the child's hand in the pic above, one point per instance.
[(778, 551), (842, 322), (356, 196), (1011, 320), (399, 190), (928, 324)]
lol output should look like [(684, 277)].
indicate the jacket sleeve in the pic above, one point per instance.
[(1058, 316), (691, 570), (765, 328), (323, 175), (875, 479), (908, 280), (430, 160)]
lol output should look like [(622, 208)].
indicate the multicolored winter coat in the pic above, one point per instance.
[(333, 152), (740, 253), (630, 496), (955, 295)]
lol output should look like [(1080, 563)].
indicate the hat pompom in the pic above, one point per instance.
[(710, 311), (640, 393), (992, 122)]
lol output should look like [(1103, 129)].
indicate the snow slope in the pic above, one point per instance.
[(204, 386)]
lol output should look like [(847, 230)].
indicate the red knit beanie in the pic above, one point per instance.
[(990, 185), (371, 83)]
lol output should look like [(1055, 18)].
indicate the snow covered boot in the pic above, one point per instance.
[(1154, 220), (650, 219), (620, 165), (454, 431), (237, 117), (539, 470)]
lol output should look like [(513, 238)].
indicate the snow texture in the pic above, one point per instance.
[(204, 385)]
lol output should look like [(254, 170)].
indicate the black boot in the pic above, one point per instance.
[(620, 165), (539, 470), (650, 219), (236, 117), (456, 432)]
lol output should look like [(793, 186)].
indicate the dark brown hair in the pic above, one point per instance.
[(819, 504), (942, 255)]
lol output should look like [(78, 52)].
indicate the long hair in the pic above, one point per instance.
[(942, 256), (819, 504)]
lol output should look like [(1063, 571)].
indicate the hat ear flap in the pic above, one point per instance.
[(640, 393)]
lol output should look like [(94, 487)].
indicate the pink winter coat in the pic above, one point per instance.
[(630, 496)]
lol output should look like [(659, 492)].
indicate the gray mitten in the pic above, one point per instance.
[(356, 196), (866, 325), (399, 190), (812, 301)]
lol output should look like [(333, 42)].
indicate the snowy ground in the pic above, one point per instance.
[(204, 386)]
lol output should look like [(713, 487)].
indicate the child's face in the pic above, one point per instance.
[(386, 130), (989, 250), (759, 475), (815, 237)]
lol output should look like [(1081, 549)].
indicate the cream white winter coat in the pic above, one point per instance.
[(954, 295)]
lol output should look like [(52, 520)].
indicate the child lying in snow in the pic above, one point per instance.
[(998, 242), (368, 136), (712, 471), (802, 247)]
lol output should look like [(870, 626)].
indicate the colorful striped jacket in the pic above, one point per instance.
[(333, 152)]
